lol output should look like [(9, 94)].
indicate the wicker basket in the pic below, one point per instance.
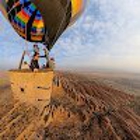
[(32, 87)]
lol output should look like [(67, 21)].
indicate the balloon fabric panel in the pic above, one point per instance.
[(26, 20)]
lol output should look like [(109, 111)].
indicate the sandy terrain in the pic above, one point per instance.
[(83, 107), (127, 82)]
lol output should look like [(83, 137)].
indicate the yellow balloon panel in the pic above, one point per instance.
[(78, 7)]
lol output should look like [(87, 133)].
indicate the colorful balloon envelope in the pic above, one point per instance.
[(41, 20)]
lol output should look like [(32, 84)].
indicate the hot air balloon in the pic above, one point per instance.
[(41, 21)]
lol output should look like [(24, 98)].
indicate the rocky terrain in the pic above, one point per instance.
[(82, 108)]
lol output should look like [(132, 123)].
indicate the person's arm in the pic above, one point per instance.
[(42, 56)]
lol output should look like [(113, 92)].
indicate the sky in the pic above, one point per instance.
[(107, 36)]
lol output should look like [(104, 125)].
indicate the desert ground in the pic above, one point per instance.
[(84, 106)]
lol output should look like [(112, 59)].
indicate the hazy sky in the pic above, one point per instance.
[(106, 36)]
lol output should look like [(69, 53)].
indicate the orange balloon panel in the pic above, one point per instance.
[(76, 6)]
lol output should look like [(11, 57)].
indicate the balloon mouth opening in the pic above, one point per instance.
[(26, 19)]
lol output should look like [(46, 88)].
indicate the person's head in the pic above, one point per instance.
[(35, 45), (25, 62), (52, 59), (36, 48), (43, 65)]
